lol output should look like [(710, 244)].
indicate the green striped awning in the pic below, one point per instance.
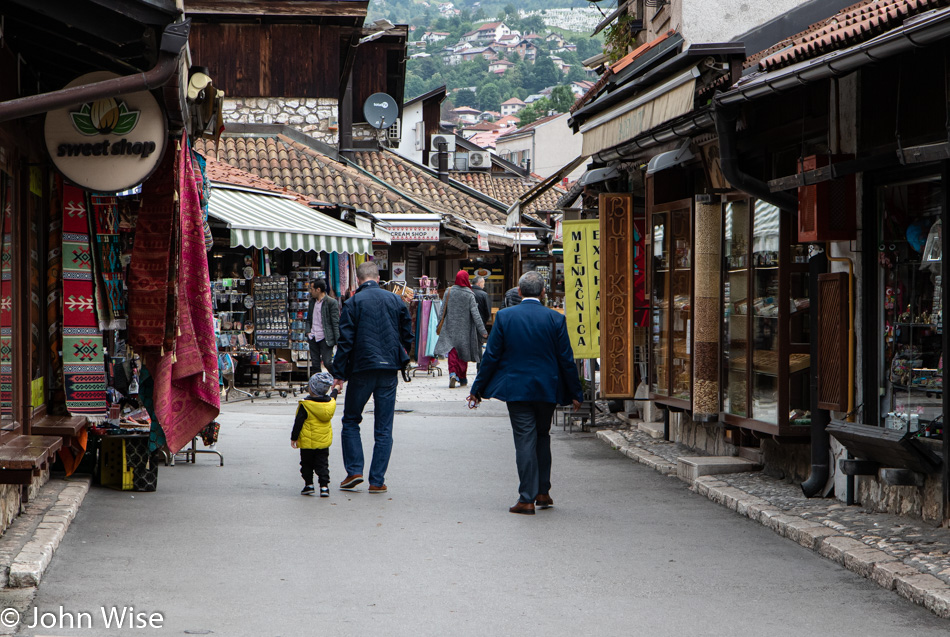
[(258, 219)]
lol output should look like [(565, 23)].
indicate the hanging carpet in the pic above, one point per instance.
[(84, 373), (186, 378), (149, 268), (6, 298), (105, 217)]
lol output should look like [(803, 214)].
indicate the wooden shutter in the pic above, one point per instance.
[(833, 326)]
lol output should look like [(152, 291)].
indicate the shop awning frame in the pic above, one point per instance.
[(261, 219), (514, 211)]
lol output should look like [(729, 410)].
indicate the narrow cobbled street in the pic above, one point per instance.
[(236, 551)]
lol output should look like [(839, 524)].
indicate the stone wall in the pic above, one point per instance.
[(919, 502), (10, 498), (709, 438), (317, 117)]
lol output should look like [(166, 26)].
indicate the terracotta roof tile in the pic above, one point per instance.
[(855, 24), (311, 174), (508, 189)]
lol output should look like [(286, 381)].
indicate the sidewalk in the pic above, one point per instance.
[(897, 553)]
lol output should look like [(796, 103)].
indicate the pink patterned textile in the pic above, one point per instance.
[(186, 379)]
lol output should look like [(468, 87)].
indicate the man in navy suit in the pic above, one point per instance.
[(529, 364)]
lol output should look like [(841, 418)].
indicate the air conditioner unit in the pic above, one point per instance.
[(479, 159), (395, 131), (434, 160), (461, 161), (448, 140)]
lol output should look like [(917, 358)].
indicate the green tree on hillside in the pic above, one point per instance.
[(466, 97), (543, 74), (562, 98), (489, 98)]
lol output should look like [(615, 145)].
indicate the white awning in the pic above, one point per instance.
[(258, 219)]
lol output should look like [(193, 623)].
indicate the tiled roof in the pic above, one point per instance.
[(483, 126), (615, 68), (508, 120), (418, 183), (508, 189), (512, 100), (485, 139), (304, 170), (855, 24), (533, 125), (223, 173)]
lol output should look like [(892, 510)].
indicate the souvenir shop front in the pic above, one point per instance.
[(268, 248)]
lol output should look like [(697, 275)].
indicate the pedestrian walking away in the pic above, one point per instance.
[(313, 433), (324, 317), (482, 299), (512, 298), (462, 327), (529, 365), (375, 336)]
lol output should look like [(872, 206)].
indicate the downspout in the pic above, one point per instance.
[(174, 38), (729, 162)]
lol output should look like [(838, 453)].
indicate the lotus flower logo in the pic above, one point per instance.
[(108, 115)]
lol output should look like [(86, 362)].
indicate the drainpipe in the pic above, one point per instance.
[(820, 442), (174, 38), (729, 162), (443, 163)]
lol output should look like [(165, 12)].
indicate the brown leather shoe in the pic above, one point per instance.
[(380, 489), (349, 484), (524, 508), (544, 501)]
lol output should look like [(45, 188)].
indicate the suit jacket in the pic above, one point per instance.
[(330, 316), (529, 358)]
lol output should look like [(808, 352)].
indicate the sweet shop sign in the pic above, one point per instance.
[(110, 144), (582, 286)]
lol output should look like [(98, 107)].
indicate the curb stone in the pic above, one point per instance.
[(827, 538), (30, 563)]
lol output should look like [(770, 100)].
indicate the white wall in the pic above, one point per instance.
[(555, 144), (407, 144), (703, 21)]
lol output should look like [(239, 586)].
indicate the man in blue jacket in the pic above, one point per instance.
[(529, 364), (375, 336)]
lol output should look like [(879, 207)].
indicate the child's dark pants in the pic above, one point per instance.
[(315, 461)]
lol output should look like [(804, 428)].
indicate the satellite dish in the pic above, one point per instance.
[(380, 110)]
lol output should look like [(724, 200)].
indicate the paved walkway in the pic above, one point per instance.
[(237, 551)]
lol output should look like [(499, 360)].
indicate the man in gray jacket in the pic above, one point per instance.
[(324, 320)]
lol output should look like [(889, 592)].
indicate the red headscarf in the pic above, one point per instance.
[(462, 279)]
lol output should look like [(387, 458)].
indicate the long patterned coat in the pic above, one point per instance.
[(462, 326)]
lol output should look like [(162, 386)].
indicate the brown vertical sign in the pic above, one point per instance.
[(616, 298)]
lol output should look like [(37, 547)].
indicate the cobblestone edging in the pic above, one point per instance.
[(898, 554), (31, 561)]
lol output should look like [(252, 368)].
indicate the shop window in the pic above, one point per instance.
[(7, 296), (671, 302), (909, 279), (765, 319)]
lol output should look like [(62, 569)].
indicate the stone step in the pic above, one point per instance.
[(688, 468), (752, 453), (652, 429)]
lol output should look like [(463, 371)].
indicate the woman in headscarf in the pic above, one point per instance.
[(461, 327)]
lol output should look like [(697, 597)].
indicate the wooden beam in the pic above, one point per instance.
[(303, 8), (832, 171)]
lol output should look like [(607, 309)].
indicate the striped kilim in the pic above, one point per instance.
[(84, 373), (106, 218), (6, 299)]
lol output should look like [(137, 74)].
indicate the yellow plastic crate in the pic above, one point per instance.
[(114, 469)]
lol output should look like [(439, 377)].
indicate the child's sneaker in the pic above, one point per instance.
[(324, 492), (307, 490)]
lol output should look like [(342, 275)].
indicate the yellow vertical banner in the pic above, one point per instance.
[(582, 286)]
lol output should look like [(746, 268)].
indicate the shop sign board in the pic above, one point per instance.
[(415, 232), (582, 286), (617, 236), (483, 242), (381, 259), (110, 144)]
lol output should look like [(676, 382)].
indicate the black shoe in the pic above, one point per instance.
[(307, 490), (463, 382), (324, 492)]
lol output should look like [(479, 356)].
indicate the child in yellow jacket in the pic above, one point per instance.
[(313, 433)]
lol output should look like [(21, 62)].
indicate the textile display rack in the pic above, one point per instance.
[(587, 414), (428, 307)]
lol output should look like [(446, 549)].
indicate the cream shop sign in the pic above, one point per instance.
[(110, 144)]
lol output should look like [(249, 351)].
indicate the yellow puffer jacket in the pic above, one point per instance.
[(316, 432)]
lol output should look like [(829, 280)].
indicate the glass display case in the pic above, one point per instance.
[(911, 314), (671, 303), (765, 319)]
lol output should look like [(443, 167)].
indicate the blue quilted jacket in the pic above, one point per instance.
[(375, 332)]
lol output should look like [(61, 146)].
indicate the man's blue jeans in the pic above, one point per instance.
[(381, 384), (531, 426)]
